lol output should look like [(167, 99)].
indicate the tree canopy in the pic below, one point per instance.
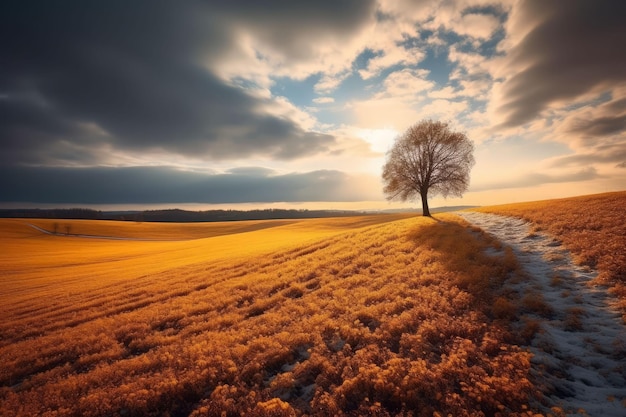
[(428, 158)]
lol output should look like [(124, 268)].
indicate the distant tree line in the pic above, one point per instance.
[(71, 213), (174, 215), (177, 215)]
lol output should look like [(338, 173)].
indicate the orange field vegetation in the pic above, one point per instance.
[(183, 231), (592, 227), (359, 316), (43, 265)]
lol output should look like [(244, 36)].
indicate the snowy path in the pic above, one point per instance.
[(580, 354)]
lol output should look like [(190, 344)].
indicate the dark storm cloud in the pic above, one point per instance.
[(288, 26), (149, 185), (601, 126), (78, 75), (573, 48), (596, 133)]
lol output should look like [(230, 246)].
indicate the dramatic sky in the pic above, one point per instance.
[(284, 103)]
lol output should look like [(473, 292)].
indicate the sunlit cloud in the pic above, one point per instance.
[(380, 140), (444, 109), (390, 57), (475, 25), (531, 179), (444, 93), (302, 88), (406, 83)]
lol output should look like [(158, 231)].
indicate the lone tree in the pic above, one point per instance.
[(428, 157)]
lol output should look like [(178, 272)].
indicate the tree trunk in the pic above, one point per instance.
[(425, 210)]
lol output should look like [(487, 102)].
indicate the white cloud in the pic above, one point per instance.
[(323, 100), (477, 89), (445, 93), (281, 107), (407, 83), (241, 61), (407, 9), (296, 42), (452, 15), (330, 81), (475, 25), (472, 64), (390, 57), (445, 109)]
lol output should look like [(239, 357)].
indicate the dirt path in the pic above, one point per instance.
[(580, 353)]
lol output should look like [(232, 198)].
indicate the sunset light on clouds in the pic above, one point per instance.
[(293, 104)]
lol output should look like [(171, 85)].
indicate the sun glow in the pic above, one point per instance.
[(380, 140)]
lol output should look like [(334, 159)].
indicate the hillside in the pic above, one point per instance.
[(371, 315), (381, 319)]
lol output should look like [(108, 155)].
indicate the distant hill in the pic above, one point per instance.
[(178, 215), (174, 215), (71, 213)]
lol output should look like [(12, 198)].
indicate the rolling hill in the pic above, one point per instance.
[(370, 315)]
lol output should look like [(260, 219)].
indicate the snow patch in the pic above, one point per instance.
[(580, 353)]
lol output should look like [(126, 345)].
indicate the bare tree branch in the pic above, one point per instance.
[(428, 157)]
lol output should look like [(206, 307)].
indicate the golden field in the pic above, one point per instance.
[(592, 227), (35, 263), (377, 315)]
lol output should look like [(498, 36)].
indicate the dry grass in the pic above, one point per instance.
[(573, 321), (534, 302), (200, 230), (327, 317), (592, 227), (31, 260)]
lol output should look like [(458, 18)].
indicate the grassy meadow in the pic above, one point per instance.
[(374, 315)]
